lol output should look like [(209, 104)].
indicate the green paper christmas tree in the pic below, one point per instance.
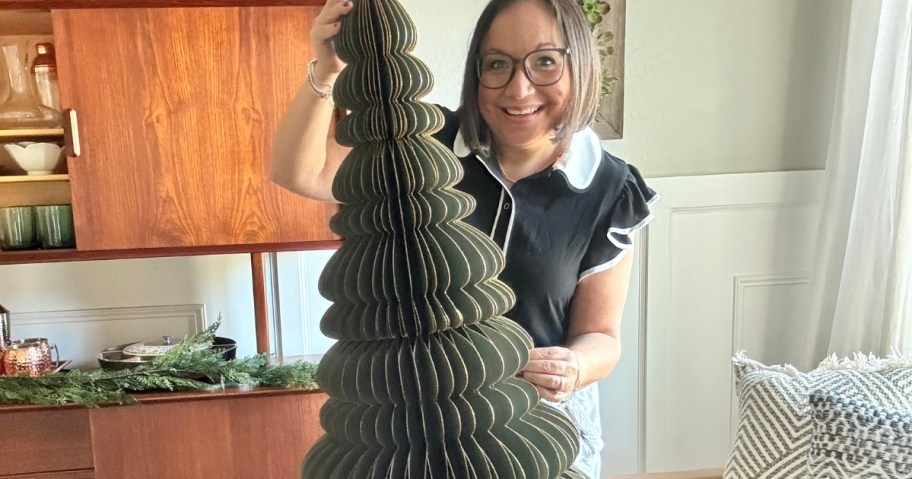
[(422, 379)]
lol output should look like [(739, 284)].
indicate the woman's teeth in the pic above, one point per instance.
[(522, 111)]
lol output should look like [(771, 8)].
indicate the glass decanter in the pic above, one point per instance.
[(21, 109)]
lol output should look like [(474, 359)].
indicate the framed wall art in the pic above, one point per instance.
[(608, 21)]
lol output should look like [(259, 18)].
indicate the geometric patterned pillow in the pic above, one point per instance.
[(859, 439), (775, 426)]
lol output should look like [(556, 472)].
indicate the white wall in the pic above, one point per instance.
[(223, 284), (729, 86), (444, 30)]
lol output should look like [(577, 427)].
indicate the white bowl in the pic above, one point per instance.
[(35, 158)]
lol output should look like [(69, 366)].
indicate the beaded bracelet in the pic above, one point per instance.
[(312, 81)]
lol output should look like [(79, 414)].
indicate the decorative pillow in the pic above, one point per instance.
[(855, 438), (775, 423)]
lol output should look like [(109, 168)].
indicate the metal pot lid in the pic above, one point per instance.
[(26, 343), (156, 348)]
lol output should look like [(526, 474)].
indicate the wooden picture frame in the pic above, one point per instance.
[(609, 121)]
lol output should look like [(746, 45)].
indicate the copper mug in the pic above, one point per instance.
[(29, 357)]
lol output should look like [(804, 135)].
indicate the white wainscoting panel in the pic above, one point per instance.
[(81, 334), (729, 258), (767, 313), (300, 305)]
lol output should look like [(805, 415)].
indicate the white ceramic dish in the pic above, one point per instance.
[(35, 158)]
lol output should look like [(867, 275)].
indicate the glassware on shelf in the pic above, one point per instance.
[(21, 109), (44, 68)]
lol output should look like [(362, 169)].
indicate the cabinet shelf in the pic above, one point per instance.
[(31, 133), (23, 190), (67, 255), (33, 178)]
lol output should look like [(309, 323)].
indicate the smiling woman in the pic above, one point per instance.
[(560, 208)]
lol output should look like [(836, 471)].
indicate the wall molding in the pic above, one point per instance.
[(740, 285), (731, 208), (194, 313), (81, 334), (306, 320), (742, 282), (273, 304), (300, 305), (643, 317)]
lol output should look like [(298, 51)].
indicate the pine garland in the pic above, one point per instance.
[(180, 369)]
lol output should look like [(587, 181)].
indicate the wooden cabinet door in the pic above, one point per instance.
[(239, 437), (177, 109), (45, 443)]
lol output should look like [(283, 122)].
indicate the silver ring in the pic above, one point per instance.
[(560, 387)]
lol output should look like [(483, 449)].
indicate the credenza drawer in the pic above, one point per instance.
[(49, 441)]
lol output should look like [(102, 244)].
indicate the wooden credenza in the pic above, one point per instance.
[(261, 433)]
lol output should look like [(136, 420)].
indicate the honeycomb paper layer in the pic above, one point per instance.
[(422, 379)]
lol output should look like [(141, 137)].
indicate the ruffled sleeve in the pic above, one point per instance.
[(628, 213)]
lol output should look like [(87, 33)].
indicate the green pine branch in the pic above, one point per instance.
[(183, 368)]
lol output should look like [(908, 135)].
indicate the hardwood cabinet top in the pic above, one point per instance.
[(180, 396), (60, 4)]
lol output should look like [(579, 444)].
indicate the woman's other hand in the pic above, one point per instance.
[(554, 371), (326, 26)]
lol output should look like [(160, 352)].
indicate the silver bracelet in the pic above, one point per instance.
[(323, 93)]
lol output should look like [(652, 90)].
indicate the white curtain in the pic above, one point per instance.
[(862, 282)]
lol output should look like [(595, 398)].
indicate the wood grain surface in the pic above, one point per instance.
[(263, 437), (177, 109), (260, 308), (45, 441), (11, 4)]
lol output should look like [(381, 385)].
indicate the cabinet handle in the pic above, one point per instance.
[(71, 133)]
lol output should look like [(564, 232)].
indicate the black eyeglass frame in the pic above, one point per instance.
[(565, 51)]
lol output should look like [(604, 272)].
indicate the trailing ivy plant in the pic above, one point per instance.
[(595, 10), (180, 369)]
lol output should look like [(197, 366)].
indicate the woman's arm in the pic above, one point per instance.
[(595, 320), (594, 340), (305, 156)]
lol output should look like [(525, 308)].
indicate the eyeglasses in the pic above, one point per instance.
[(542, 67)]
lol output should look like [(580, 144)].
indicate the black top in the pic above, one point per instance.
[(557, 226)]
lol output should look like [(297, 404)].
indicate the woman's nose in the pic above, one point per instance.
[(519, 86)]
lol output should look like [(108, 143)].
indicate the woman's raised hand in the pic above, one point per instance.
[(325, 28)]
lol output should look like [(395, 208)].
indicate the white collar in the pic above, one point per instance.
[(577, 165)]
